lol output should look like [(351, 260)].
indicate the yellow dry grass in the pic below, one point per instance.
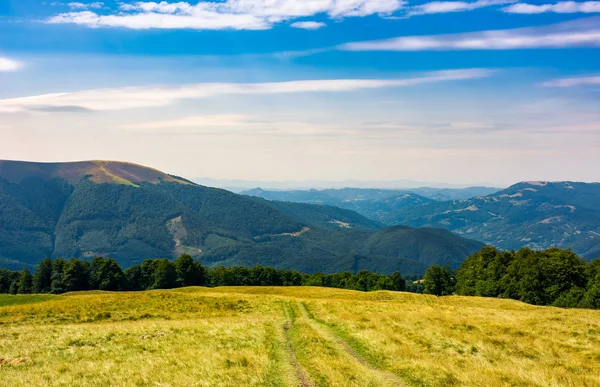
[(292, 337)]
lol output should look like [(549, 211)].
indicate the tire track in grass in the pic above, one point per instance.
[(325, 330), (302, 377)]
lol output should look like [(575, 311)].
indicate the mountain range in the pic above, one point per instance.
[(130, 212), (375, 204), (533, 214)]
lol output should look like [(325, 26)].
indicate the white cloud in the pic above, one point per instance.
[(572, 82), (454, 6), (578, 33), (77, 5), (215, 120), (140, 21), (156, 96), (229, 14), (308, 25), (9, 64), (560, 7)]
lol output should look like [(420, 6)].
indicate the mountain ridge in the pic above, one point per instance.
[(98, 171), (60, 209)]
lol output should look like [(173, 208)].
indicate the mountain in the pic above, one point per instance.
[(130, 212), (238, 186), (528, 214), (326, 217), (374, 204)]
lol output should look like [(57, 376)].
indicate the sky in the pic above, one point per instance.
[(459, 92)]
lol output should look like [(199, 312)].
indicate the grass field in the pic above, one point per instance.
[(292, 337)]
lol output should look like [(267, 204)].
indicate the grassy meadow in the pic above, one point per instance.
[(262, 336)]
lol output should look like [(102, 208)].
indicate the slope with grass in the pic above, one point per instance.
[(264, 336)]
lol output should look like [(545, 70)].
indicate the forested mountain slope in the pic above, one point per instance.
[(538, 215), (131, 212)]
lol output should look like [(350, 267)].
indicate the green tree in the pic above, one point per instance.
[(76, 275), (25, 282), (439, 280), (14, 286), (134, 279), (148, 273), (189, 272), (5, 280), (106, 274), (398, 281), (165, 275), (58, 268), (42, 279)]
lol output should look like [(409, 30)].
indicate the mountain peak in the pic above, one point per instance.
[(98, 171)]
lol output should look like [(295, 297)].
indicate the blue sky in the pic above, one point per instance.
[(460, 92)]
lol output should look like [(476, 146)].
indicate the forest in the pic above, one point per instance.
[(554, 277), (59, 276)]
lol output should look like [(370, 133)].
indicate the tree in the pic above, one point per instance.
[(439, 280), (398, 281), (165, 275), (76, 275), (25, 282), (148, 273), (134, 279), (189, 272), (58, 284), (5, 280), (106, 274), (42, 279)]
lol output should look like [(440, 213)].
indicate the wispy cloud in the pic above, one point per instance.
[(77, 5), (9, 64), (241, 124), (578, 33), (229, 14), (560, 7), (572, 82), (155, 96), (454, 6), (308, 25), (214, 120)]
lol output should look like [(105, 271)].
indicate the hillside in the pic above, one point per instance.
[(327, 217), (296, 336), (529, 214), (374, 204), (130, 213)]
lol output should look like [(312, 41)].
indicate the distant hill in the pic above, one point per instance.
[(529, 214), (374, 204), (130, 212)]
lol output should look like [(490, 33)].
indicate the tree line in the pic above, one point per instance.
[(554, 277), (59, 276)]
